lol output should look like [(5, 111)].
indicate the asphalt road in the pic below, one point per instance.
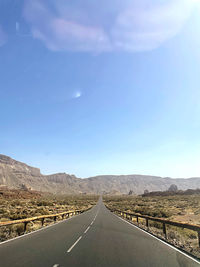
[(94, 238)]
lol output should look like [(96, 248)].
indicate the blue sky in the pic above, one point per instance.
[(101, 88)]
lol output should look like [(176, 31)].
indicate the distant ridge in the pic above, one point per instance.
[(17, 175)]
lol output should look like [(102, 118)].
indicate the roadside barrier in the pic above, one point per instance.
[(63, 215), (164, 222)]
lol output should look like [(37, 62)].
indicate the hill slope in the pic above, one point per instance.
[(15, 174)]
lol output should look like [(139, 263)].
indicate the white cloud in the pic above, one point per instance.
[(17, 26), (2, 36), (134, 26), (146, 27), (77, 94), (59, 33)]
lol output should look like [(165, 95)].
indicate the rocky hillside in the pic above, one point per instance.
[(137, 183), (15, 174)]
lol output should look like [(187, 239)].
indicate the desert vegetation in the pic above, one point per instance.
[(181, 208), (15, 205)]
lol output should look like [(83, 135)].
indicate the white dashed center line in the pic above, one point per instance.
[(74, 244), (56, 265), (87, 229)]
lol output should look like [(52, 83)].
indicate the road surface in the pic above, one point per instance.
[(96, 238)]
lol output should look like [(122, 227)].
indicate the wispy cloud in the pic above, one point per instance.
[(145, 26), (134, 26), (77, 94), (60, 33), (17, 27), (2, 36)]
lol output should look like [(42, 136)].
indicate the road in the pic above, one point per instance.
[(96, 238)]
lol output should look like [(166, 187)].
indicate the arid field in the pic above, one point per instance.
[(185, 208), (19, 204)]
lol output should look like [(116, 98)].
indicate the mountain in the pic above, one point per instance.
[(138, 183), (15, 174), (18, 175)]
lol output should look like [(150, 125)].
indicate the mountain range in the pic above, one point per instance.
[(18, 175)]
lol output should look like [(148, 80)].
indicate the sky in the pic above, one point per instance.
[(101, 87)]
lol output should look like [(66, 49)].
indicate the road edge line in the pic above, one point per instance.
[(157, 238), (43, 228)]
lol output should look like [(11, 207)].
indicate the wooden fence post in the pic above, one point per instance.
[(25, 226), (147, 224), (199, 237), (42, 221), (164, 230)]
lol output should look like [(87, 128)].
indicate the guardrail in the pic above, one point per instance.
[(164, 222), (64, 215)]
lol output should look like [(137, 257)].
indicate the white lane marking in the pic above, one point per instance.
[(95, 216), (56, 265), (81, 236), (158, 239), (74, 244), (43, 228), (87, 229), (97, 213)]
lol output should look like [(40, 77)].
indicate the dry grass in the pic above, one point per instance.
[(177, 208), (13, 209)]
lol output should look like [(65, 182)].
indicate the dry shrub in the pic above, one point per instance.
[(15, 209), (170, 207)]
